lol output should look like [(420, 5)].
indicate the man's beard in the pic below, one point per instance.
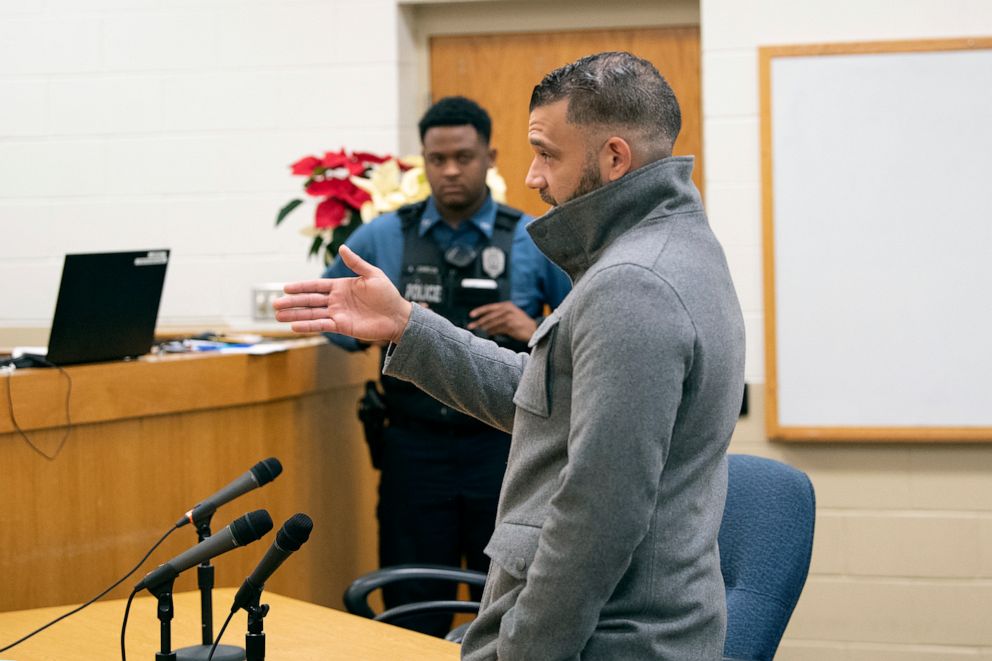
[(588, 182)]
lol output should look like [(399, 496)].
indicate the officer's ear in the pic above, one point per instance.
[(492, 156)]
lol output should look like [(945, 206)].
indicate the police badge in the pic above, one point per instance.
[(493, 261)]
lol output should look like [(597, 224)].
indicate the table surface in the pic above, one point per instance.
[(294, 630)]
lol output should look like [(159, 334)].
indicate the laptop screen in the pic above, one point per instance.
[(107, 306)]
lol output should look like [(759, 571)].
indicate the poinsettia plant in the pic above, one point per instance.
[(349, 189)]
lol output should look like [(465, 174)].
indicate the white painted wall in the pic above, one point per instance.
[(131, 124)]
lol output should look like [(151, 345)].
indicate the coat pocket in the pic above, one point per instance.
[(533, 393), (513, 547)]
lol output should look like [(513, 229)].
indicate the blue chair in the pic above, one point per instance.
[(766, 540), (356, 596)]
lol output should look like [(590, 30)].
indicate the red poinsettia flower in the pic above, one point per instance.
[(330, 177), (305, 165), (326, 187), (356, 168), (330, 214), (355, 197), (357, 163), (335, 159), (341, 189), (366, 157)]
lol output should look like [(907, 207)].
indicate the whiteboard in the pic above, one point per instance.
[(878, 241)]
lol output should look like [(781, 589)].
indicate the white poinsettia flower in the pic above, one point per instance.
[(497, 186), (312, 232), (368, 211), (414, 184), (390, 187), (386, 176)]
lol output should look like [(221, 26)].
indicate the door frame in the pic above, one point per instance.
[(419, 20)]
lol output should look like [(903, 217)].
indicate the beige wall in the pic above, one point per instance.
[(902, 559), (902, 564)]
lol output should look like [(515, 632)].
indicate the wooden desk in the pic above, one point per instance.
[(151, 438), (294, 630)]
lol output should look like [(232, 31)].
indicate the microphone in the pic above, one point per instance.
[(260, 474), (293, 534), (241, 531)]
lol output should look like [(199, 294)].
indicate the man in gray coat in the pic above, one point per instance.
[(605, 545)]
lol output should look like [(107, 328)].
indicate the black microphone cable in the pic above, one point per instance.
[(9, 369), (213, 648), (127, 610), (96, 598)]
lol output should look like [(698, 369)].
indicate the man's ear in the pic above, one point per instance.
[(616, 158), (492, 157)]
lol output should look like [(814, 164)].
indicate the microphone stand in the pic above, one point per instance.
[(205, 582), (165, 612), (255, 637)]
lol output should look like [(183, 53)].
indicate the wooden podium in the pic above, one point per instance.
[(294, 631), (152, 437)]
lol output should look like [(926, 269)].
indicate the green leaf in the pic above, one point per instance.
[(318, 241), (341, 234), (337, 240), (286, 210)]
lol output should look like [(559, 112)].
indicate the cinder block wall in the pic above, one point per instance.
[(902, 566), (132, 124)]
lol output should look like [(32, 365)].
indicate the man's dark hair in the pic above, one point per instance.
[(615, 89), (457, 111)]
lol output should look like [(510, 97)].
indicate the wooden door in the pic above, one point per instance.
[(500, 71)]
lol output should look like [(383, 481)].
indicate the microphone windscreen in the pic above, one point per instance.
[(251, 527), (266, 470), (295, 532)]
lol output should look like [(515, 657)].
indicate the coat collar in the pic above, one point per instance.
[(574, 234)]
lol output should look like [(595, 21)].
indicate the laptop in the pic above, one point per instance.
[(107, 307)]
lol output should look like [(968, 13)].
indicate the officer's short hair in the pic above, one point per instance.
[(457, 111)]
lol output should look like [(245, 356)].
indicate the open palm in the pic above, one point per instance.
[(367, 307)]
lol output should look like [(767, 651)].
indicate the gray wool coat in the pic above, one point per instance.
[(605, 545)]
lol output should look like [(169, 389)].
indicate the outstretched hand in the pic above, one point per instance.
[(367, 307)]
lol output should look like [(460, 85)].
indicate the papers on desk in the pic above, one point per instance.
[(215, 346), (258, 349), (252, 349), (17, 352)]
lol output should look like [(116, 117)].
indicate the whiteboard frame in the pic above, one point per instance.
[(774, 429)]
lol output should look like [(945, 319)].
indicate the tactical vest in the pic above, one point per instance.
[(451, 285)]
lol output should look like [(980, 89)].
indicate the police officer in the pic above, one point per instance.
[(470, 259)]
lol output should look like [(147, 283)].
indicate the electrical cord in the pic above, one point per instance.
[(213, 648), (13, 418), (99, 596), (127, 609)]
